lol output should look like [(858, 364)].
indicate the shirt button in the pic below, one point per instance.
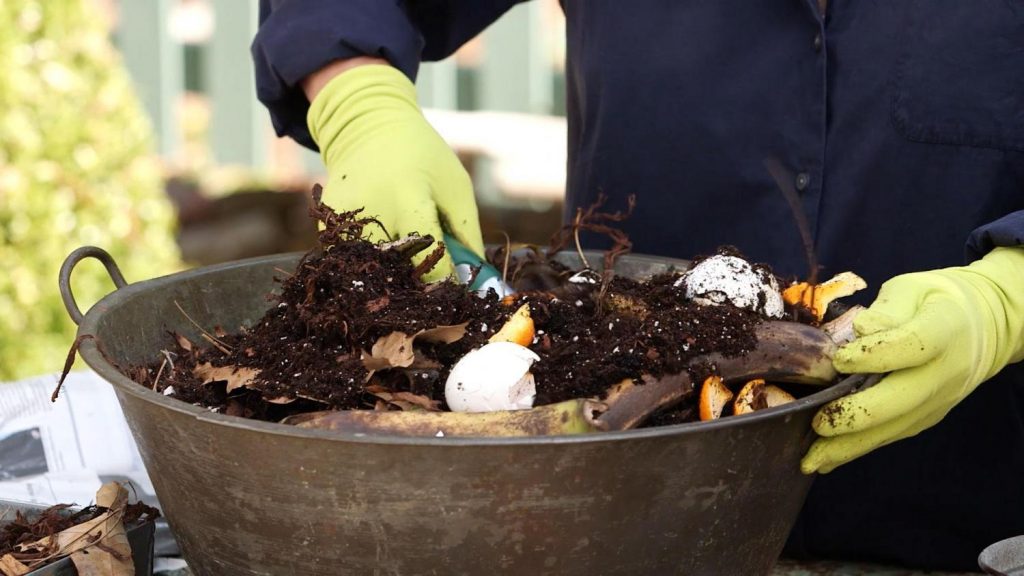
[(802, 180), (817, 42)]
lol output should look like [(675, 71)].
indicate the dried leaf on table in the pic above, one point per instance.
[(235, 376), (100, 560), (9, 566), (109, 553)]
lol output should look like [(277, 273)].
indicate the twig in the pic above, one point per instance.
[(167, 358), (339, 226), (158, 373), (508, 256), (430, 261), (209, 337), (216, 343), (594, 221), (68, 363), (576, 237)]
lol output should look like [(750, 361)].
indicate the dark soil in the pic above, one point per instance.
[(311, 347)]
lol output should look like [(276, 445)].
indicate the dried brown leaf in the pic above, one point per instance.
[(280, 400), (9, 566), (104, 560), (185, 343), (391, 351), (404, 400), (235, 376), (395, 350), (443, 334), (416, 400), (103, 533)]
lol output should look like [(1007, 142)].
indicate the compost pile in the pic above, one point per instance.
[(354, 328)]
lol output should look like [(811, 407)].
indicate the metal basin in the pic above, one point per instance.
[(249, 497)]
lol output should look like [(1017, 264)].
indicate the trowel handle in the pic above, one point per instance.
[(466, 261)]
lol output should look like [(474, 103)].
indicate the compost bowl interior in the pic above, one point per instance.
[(248, 497)]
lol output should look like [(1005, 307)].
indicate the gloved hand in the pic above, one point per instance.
[(940, 334), (383, 156)]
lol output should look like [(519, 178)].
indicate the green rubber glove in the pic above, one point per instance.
[(939, 334), (382, 155)]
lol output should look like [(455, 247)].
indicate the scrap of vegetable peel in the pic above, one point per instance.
[(518, 329), (817, 298), (750, 397), (714, 397)]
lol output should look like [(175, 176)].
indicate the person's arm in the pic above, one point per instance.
[(315, 82), (938, 334), (298, 38), (337, 75)]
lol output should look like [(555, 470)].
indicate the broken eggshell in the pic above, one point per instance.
[(720, 279), (494, 377)]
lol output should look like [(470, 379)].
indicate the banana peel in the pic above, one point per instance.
[(571, 417), (785, 352)]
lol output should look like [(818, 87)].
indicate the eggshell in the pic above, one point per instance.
[(493, 377), (720, 279)]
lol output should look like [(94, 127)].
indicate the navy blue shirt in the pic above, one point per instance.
[(901, 122)]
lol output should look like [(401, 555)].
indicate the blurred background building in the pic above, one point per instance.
[(133, 125), (499, 102)]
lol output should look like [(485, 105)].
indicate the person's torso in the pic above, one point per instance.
[(902, 120)]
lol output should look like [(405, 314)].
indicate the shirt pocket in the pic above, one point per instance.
[(961, 78)]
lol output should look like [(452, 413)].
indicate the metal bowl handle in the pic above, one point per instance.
[(65, 276)]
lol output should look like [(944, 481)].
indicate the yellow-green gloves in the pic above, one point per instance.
[(940, 334), (383, 156)]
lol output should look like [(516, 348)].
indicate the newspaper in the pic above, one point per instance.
[(62, 452)]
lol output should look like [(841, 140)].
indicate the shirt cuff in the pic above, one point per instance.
[(1007, 231), (298, 37)]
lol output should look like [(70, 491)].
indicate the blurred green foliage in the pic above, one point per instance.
[(76, 168)]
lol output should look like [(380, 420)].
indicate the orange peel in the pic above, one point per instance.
[(777, 396), (518, 328), (714, 397), (756, 395), (816, 298)]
